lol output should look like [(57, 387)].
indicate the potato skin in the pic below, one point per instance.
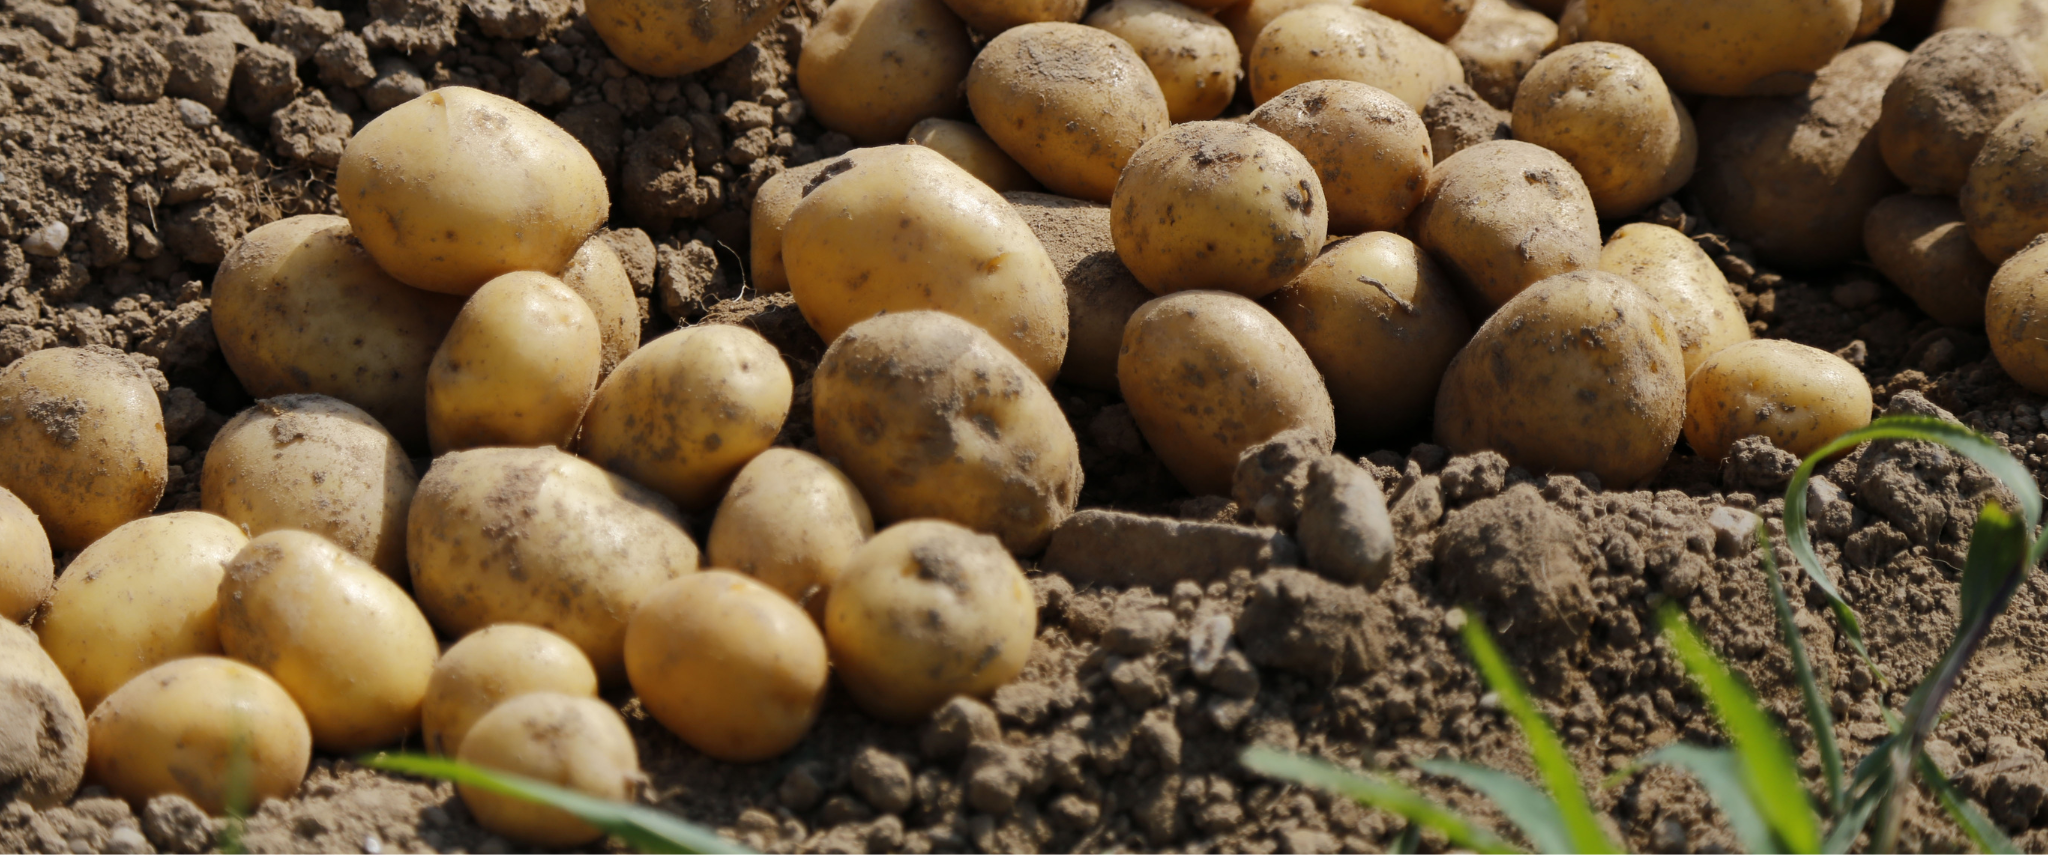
[(729, 664), (1101, 292), (517, 368), (2005, 198), (933, 418), (597, 275), (81, 441), (792, 521), (1921, 244), (1504, 215), (968, 148), (1437, 19), (777, 197), (1218, 206), (1799, 397), (27, 567), (1952, 92), (2025, 22), (1499, 43), (41, 723), (670, 38), (572, 742), (174, 728), (1194, 59), (1680, 279), (1578, 373), (1247, 18), (1605, 109), (871, 69), (993, 17), (491, 666), (1341, 42), (2016, 317), (1729, 48), (1370, 151), (1069, 103)]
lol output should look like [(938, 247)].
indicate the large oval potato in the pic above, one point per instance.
[(1500, 42), (1604, 109), (597, 274), (870, 69), (1218, 206), (1101, 292), (1921, 244), (1070, 103), (1437, 19), (2005, 198), (1194, 59), (2016, 317), (575, 743), (178, 728), (1952, 92), (1505, 215), (1682, 281), (1341, 42), (43, 743), (773, 203), (81, 441), (27, 567), (1798, 397), (670, 38), (494, 665), (792, 521), (2025, 22), (729, 664), (970, 149), (993, 17), (1730, 47), (931, 417), (517, 368), (1370, 150)]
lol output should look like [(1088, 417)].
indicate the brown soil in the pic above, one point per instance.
[(1124, 732)]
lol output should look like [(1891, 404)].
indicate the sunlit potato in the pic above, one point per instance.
[(81, 441), (518, 367), (576, 743), (1798, 397), (178, 728), (792, 521), (493, 665), (1069, 103)]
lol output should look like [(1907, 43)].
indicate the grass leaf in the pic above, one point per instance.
[(1719, 770), (1983, 833), (1817, 712), (1997, 563), (1376, 792), (1533, 813)]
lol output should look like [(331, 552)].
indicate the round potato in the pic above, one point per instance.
[(1208, 374), (1218, 206), (992, 17), (27, 568), (1194, 59), (458, 187), (2005, 198), (1247, 18), (1798, 397), (517, 368), (870, 69), (1331, 42), (178, 728), (671, 38), (1729, 48), (576, 743), (81, 441), (42, 727), (772, 204), (1604, 109), (1437, 19), (729, 664), (1578, 373), (1101, 292), (1069, 103), (597, 275), (790, 520), (1370, 150), (684, 413), (931, 417), (2016, 317), (970, 149), (926, 611), (1953, 90), (1681, 280), (1498, 45), (2025, 22), (1921, 244), (492, 665), (1506, 215)]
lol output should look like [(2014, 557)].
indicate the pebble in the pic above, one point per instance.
[(194, 114), (47, 241), (1734, 530), (1208, 642)]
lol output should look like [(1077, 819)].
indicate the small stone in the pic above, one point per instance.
[(1271, 475), (1123, 549), (882, 780), (1734, 530), (193, 114), (47, 241), (1136, 632), (127, 840), (1344, 528), (961, 722), (1207, 643)]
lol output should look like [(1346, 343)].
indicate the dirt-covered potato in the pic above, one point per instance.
[(178, 728), (1370, 150), (2025, 22), (517, 368), (1505, 215), (573, 742), (1208, 374), (1333, 42), (772, 203), (27, 567), (1101, 292), (1437, 19), (1499, 43), (42, 726), (2016, 317), (1796, 396), (671, 38), (1875, 14), (992, 17), (2005, 198), (931, 417), (597, 275), (1936, 114), (1580, 372), (870, 69), (1069, 103), (902, 228), (1921, 244), (729, 664), (458, 187), (790, 520), (1604, 109), (968, 148), (81, 441), (684, 413), (1682, 281), (143, 595), (298, 306), (532, 535), (493, 665), (1730, 47), (1247, 18), (925, 611), (1218, 206), (1194, 58), (1795, 176)]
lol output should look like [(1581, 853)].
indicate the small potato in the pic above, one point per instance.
[(1070, 103), (777, 197), (27, 568), (517, 368), (145, 594), (597, 275), (1505, 215), (1101, 292), (931, 417), (1921, 244), (178, 729), (532, 535), (1603, 107), (970, 149), (576, 743), (1370, 150), (346, 642), (458, 187), (1937, 113), (992, 17), (1798, 397), (870, 69), (900, 228), (1681, 280), (928, 610), (2016, 317), (1437, 19), (1381, 323), (2025, 22), (42, 726), (1875, 14), (2005, 198), (1218, 206), (1209, 374), (684, 413), (1328, 42), (1729, 48), (1247, 18), (493, 665), (1578, 373), (81, 441), (1195, 59), (790, 520), (729, 664), (670, 38), (1498, 45)]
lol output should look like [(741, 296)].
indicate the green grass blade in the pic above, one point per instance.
[(1983, 833), (1375, 792), (643, 828), (1532, 812), (1817, 712), (1719, 770), (1869, 788), (1997, 564)]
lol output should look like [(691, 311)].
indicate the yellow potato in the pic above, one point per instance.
[(1334, 42), (1921, 244), (1437, 19), (1875, 14), (2016, 317), (1682, 281), (790, 520), (684, 413), (926, 611), (1209, 374), (1502, 216), (670, 38), (1194, 59), (729, 664), (517, 368), (870, 69), (493, 665), (1498, 45), (27, 568), (970, 149), (1069, 103), (1603, 107), (2005, 198), (1101, 292), (2025, 22), (1370, 150), (992, 17), (42, 726), (81, 441), (772, 203), (1730, 47), (458, 186), (178, 728), (1798, 397), (597, 275), (576, 743), (1953, 91), (1247, 18)]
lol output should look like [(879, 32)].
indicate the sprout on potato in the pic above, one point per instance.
[(493, 665), (178, 728), (81, 441)]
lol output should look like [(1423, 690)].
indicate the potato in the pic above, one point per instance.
[(1921, 244), (532, 535), (1208, 374), (1580, 372), (1681, 280), (1937, 113), (576, 743), (1604, 109), (1875, 14), (597, 275), (42, 726), (1502, 216), (27, 568), (772, 203), (928, 610), (1381, 322), (493, 665), (729, 664), (143, 595), (2016, 317), (1437, 19), (1101, 292), (1731, 47), (1798, 397), (1795, 176), (790, 520), (81, 441), (458, 187), (1571, 23), (1194, 59), (1370, 150), (992, 17), (1247, 18), (931, 417), (178, 729), (684, 413), (2025, 22), (668, 38), (902, 228), (1498, 45), (1069, 103), (1218, 206), (2005, 198), (298, 306), (1327, 42), (870, 69), (313, 463), (517, 368), (970, 149)]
